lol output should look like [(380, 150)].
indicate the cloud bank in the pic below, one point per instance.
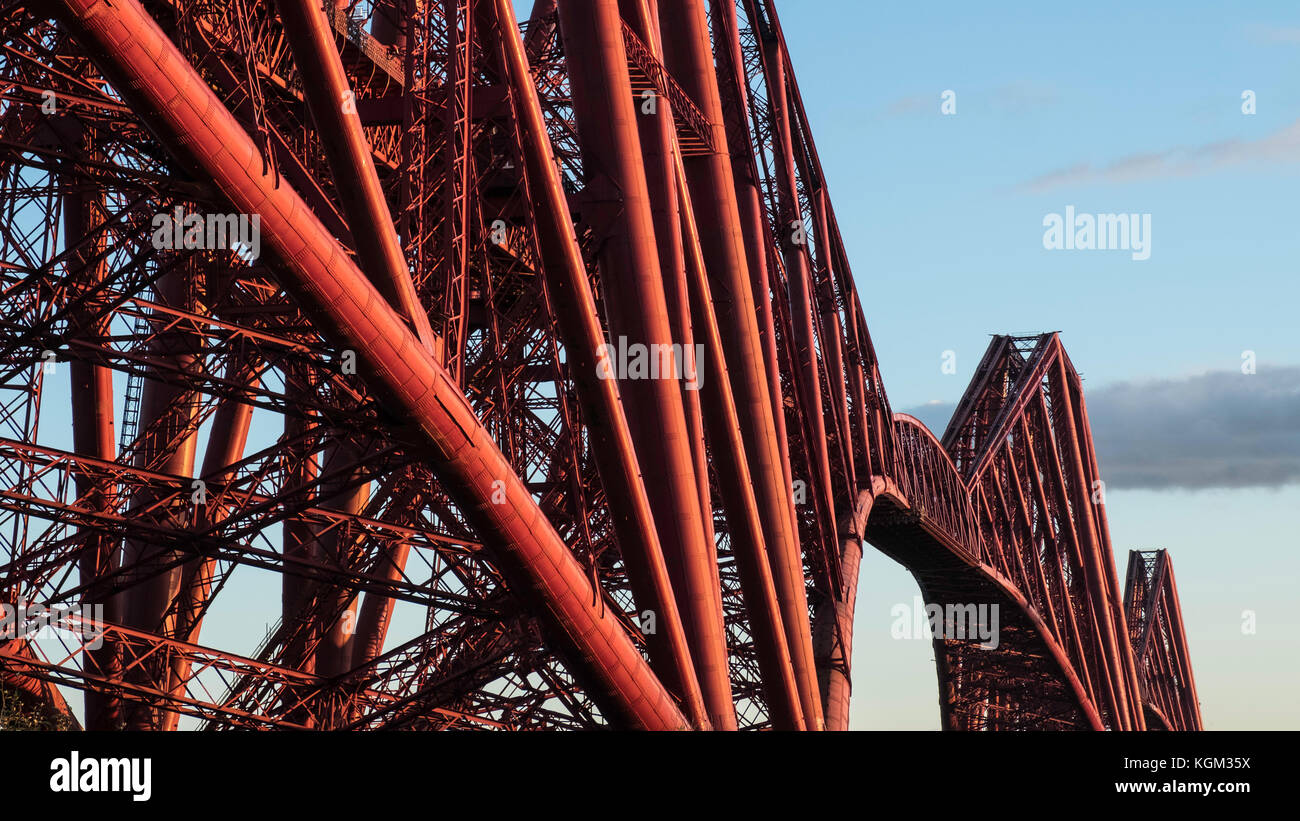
[(1222, 429)]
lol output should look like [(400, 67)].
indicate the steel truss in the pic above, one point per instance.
[(401, 404)]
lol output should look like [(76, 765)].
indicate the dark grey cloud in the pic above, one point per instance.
[(1223, 429)]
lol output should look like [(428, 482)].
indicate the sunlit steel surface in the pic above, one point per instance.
[(417, 399)]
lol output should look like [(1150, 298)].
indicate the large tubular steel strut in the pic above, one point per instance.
[(92, 431), (333, 107), (734, 104), (226, 444), (659, 148), (799, 286), (638, 314), (168, 441), (130, 49), (737, 490), (833, 627), (579, 325), (690, 58)]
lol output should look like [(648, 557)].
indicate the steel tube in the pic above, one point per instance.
[(833, 627), (688, 54), (579, 327), (226, 442), (333, 108), (733, 99), (737, 490), (798, 285), (638, 315), (92, 425), (131, 51), (659, 148)]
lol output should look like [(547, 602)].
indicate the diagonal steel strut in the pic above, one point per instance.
[(169, 96), (333, 108)]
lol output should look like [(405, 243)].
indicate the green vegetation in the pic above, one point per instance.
[(18, 713)]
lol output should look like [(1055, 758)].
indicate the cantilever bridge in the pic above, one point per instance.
[(397, 398)]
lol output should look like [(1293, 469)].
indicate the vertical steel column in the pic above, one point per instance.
[(342, 492), (833, 627), (659, 147), (226, 442), (737, 490), (92, 422), (638, 315), (733, 97), (832, 334), (689, 56), (579, 327), (166, 443), (298, 536), (799, 284)]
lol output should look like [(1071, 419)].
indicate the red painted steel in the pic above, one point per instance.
[(638, 315), (408, 413), (580, 327), (737, 492), (129, 47), (833, 627), (1159, 643), (92, 427), (687, 52), (333, 107), (793, 242)]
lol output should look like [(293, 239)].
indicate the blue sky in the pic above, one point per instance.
[(1111, 109)]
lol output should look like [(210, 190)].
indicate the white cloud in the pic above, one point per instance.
[(1280, 147)]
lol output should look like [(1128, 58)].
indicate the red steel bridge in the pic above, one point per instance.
[(401, 429)]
